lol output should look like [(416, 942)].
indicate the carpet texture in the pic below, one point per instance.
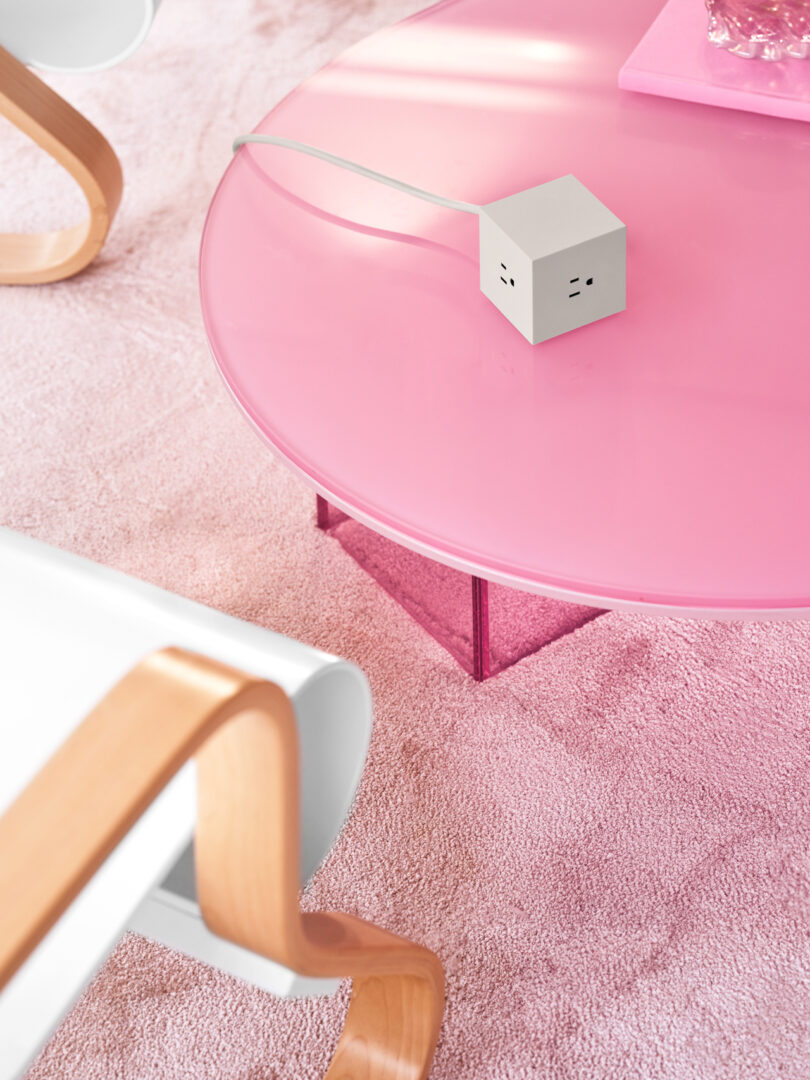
[(606, 845)]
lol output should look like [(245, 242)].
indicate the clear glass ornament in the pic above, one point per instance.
[(764, 29)]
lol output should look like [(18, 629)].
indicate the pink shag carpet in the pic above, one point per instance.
[(607, 845)]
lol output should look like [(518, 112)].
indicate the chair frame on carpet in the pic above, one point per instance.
[(110, 687), (40, 113), (242, 730)]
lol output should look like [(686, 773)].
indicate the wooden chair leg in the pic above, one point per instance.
[(242, 730), (35, 258)]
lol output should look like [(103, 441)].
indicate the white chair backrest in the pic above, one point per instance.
[(69, 630), (74, 35)]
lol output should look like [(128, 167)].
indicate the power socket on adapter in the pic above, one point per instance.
[(553, 258)]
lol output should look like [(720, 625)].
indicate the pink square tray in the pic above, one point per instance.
[(674, 59)]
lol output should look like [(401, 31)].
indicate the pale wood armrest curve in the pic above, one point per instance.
[(31, 105), (173, 705)]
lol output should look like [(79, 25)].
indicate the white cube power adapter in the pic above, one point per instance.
[(552, 258)]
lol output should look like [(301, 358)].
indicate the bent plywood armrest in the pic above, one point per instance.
[(63, 826), (110, 805), (39, 112)]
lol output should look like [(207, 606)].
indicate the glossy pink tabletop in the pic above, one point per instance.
[(657, 457)]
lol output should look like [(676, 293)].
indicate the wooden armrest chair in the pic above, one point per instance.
[(109, 688), (64, 35)]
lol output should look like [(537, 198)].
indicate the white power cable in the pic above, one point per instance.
[(361, 170)]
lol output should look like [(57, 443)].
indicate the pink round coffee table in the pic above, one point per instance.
[(657, 459)]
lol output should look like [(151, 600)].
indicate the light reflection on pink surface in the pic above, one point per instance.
[(465, 93), (659, 456), (449, 52)]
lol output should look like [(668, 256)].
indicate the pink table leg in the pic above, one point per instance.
[(485, 626), (323, 512), (480, 611)]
